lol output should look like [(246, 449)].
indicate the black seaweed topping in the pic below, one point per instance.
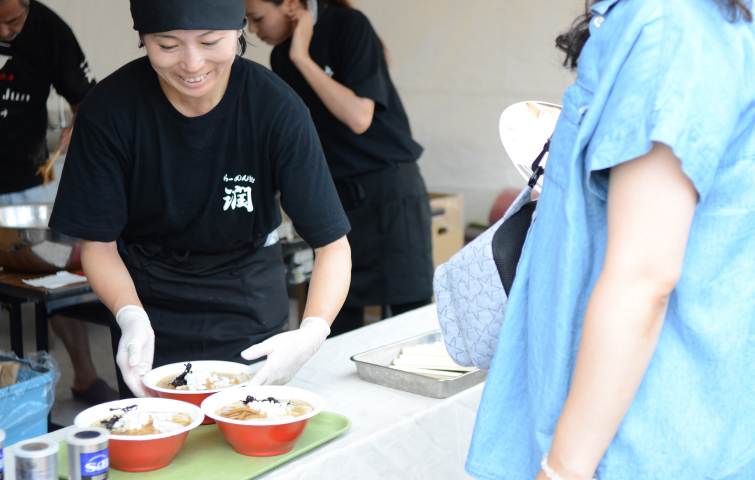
[(110, 422), (181, 379), (125, 409), (250, 399)]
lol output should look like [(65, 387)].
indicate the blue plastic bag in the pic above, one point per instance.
[(24, 406)]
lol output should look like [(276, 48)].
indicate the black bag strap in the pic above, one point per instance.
[(508, 240), (537, 170)]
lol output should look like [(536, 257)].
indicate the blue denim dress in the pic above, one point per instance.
[(670, 71)]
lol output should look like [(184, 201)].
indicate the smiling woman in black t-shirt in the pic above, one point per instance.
[(337, 65), (171, 180)]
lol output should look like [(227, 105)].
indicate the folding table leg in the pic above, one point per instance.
[(16, 329), (40, 312), (43, 343)]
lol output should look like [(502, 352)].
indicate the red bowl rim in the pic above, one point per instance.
[(156, 374), (90, 415), (213, 402)]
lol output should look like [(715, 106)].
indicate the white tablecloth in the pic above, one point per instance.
[(393, 434)]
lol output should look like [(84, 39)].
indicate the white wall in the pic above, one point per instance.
[(456, 63)]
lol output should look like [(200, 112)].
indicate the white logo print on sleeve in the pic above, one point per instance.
[(87, 71)]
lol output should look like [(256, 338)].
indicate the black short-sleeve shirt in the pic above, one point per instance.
[(44, 53), (347, 48), (139, 169)]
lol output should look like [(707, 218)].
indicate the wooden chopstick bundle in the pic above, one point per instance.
[(46, 170)]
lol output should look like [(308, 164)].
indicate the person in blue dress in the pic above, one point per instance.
[(628, 343)]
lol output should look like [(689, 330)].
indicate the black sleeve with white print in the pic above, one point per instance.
[(72, 76), (45, 53)]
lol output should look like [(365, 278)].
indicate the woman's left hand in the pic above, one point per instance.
[(287, 352), (304, 25)]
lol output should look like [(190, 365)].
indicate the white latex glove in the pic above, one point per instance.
[(287, 352), (136, 348)]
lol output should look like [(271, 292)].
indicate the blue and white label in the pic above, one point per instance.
[(94, 466), (1, 464)]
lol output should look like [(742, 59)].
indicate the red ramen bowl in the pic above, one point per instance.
[(195, 397), (143, 453), (262, 437)]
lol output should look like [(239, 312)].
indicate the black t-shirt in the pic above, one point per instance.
[(139, 169), (347, 48), (44, 53)]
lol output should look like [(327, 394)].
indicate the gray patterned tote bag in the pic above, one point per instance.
[(471, 289)]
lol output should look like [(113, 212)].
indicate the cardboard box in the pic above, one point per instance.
[(448, 226)]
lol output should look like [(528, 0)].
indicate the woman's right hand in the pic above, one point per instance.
[(136, 348), (304, 25)]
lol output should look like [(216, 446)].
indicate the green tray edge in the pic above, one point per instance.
[(168, 472)]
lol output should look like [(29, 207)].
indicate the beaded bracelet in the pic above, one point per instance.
[(549, 472)]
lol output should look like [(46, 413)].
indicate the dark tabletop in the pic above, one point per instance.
[(11, 285)]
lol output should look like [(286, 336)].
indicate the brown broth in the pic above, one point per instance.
[(235, 380), (183, 419), (241, 411)]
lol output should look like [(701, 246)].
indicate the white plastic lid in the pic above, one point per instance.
[(35, 449), (83, 437), (524, 128)]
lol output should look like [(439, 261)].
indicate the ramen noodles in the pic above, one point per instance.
[(266, 409), (133, 422), (198, 379)]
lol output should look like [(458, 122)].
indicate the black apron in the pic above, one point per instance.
[(207, 305), (390, 238)]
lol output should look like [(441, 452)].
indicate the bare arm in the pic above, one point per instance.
[(113, 285), (354, 111), (331, 276), (108, 275), (65, 134), (651, 203)]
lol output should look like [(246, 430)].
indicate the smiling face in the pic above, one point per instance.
[(270, 22), (12, 18), (192, 64)]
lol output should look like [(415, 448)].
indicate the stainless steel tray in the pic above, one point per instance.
[(372, 367)]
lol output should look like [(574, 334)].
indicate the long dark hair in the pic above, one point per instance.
[(571, 42)]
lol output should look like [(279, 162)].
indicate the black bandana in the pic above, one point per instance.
[(153, 16)]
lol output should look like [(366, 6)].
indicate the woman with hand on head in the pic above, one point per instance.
[(627, 347), (331, 56), (171, 180)]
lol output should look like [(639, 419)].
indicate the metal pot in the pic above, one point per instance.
[(28, 245)]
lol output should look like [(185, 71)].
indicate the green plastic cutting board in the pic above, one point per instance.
[(207, 455)]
